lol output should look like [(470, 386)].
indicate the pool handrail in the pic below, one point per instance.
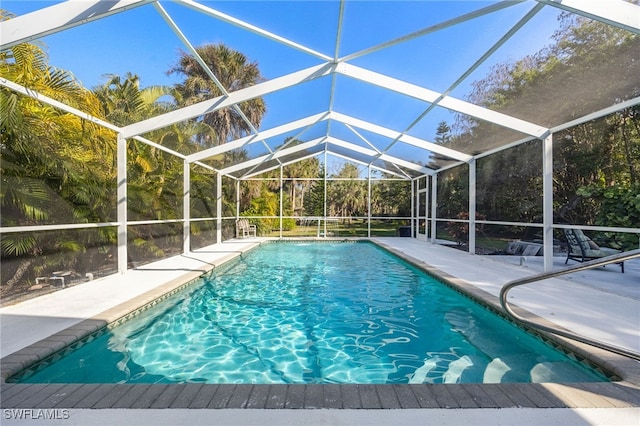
[(616, 258)]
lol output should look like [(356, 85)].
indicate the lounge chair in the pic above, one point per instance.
[(244, 228), (581, 248)]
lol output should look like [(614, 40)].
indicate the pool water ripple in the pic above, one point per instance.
[(318, 313)]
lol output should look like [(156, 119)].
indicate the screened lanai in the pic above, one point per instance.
[(137, 130)]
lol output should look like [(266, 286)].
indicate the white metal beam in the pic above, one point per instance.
[(472, 207), (218, 208), (353, 160), (430, 146), (264, 134), (336, 51), (186, 207), (394, 134), (59, 17), (316, 154), (350, 146), (85, 116), (252, 28), (345, 119), (402, 176), (442, 25), (448, 102), (547, 203), (434, 208), (220, 102), (237, 199), (580, 120), (597, 114), (174, 27), (363, 139), (272, 156), (281, 153), (121, 160), (513, 30), (384, 157), (280, 195), (618, 13), (413, 212), (286, 163), (49, 101), (369, 201), (334, 77), (192, 50)]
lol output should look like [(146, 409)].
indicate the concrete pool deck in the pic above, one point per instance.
[(602, 304)]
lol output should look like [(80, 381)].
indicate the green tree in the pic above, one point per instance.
[(619, 206), (443, 133), (298, 183), (603, 152), (391, 198), (154, 178), (347, 196), (267, 204), (234, 72), (52, 165), (314, 201)]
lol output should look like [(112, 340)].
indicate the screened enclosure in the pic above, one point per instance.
[(135, 130)]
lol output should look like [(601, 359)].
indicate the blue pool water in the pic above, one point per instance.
[(316, 313)]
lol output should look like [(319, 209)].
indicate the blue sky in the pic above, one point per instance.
[(139, 41)]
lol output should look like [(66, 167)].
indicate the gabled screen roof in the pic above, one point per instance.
[(367, 81)]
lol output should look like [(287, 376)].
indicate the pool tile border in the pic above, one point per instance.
[(619, 394), (318, 396)]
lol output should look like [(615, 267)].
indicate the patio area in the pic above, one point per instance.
[(565, 302), (419, 125)]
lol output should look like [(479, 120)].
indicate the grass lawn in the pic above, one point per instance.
[(354, 229), (381, 228)]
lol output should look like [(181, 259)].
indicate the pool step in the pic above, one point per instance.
[(490, 365), (439, 369)]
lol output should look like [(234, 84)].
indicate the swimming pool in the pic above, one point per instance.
[(315, 313)]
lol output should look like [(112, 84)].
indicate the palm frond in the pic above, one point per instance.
[(29, 196), (17, 244), (10, 113)]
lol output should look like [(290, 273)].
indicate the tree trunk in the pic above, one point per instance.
[(627, 150), (22, 269)]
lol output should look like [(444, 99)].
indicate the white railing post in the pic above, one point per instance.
[(434, 205), (237, 198), (426, 208), (218, 208), (325, 194), (281, 200), (122, 203), (186, 207), (547, 202), (472, 206), (369, 202), (413, 222)]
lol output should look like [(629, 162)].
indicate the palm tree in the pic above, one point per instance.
[(234, 72), (300, 173), (349, 196), (124, 102), (154, 177), (47, 156)]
